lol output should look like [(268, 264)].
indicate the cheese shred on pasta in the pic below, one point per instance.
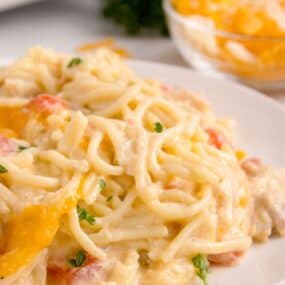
[(108, 178)]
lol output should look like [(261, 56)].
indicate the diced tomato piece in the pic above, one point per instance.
[(226, 259), (65, 275), (57, 275), (252, 166), (46, 104), (216, 138), (6, 146)]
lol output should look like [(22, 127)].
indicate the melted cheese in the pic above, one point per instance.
[(8, 133), (12, 120), (106, 43), (20, 246)]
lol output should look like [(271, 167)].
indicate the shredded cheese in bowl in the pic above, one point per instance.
[(248, 37)]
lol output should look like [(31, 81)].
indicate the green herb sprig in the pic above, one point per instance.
[(102, 184), (135, 15), (158, 127), (202, 267), (83, 214), (75, 61), (79, 260), (22, 147), (3, 169)]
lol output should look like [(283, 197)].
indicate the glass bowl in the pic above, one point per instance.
[(253, 60)]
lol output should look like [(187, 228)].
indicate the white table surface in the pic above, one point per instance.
[(66, 24)]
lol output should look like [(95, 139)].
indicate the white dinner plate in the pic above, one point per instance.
[(261, 129)]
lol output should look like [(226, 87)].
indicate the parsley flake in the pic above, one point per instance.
[(109, 198), (79, 260), (3, 169), (102, 184), (83, 214), (158, 127), (201, 264), (75, 61), (22, 147)]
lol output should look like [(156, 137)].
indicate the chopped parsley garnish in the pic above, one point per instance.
[(102, 184), (83, 214), (3, 169), (158, 127), (22, 147), (78, 260), (202, 267), (75, 61), (109, 198)]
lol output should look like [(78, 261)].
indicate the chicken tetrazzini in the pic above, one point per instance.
[(108, 178)]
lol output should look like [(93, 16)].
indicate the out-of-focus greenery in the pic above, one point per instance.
[(135, 15)]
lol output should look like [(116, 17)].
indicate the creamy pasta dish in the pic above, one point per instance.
[(108, 178)]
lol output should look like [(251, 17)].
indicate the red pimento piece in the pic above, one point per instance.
[(46, 104), (6, 146), (66, 275), (216, 138), (88, 272), (226, 259)]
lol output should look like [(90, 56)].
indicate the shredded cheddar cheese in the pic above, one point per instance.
[(104, 43), (91, 46), (20, 246), (12, 120), (8, 133), (253, 58)]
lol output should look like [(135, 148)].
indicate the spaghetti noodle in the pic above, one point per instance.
[(109, 178)]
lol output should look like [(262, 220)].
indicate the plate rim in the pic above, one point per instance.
[(256, 94)]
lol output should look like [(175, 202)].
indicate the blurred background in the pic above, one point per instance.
[(67, 24), (237, 42)]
